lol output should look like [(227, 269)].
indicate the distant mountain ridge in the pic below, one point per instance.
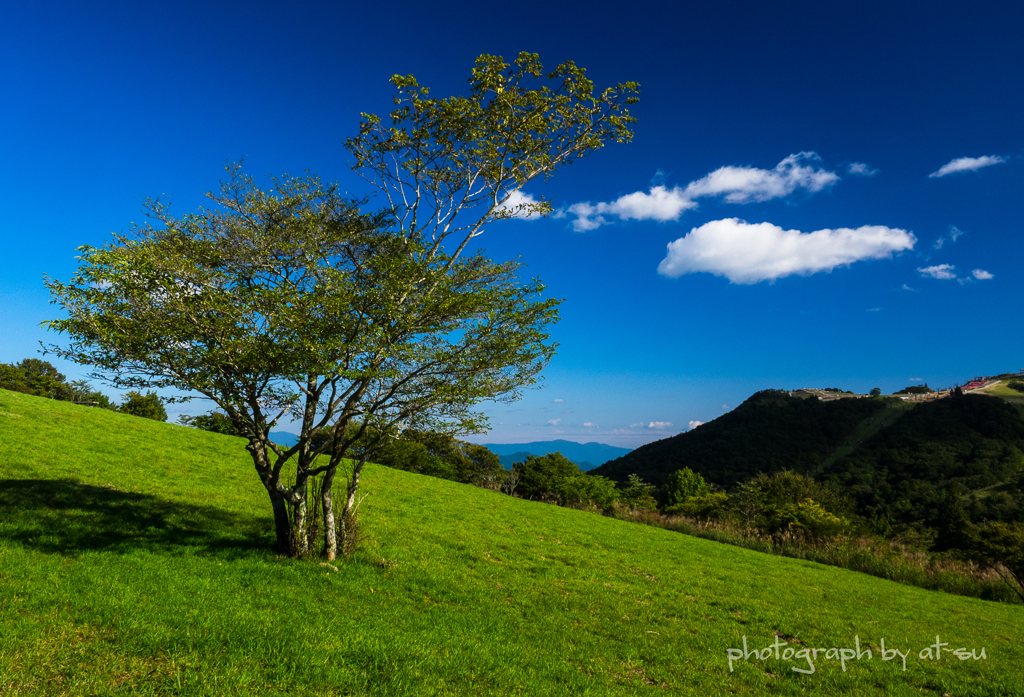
[(284, 438), (586, 455)]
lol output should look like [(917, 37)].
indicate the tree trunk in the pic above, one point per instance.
[(300, 536), (327, 501), (282, 525), (348, 522)]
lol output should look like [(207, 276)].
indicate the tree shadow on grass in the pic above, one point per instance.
[(62, 516)]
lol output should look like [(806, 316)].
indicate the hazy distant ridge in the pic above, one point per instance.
[(586, 455)]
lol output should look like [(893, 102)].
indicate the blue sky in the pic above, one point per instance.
[(818, 194)]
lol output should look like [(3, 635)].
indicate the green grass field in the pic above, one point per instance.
[(1002, 391), (134, 560)]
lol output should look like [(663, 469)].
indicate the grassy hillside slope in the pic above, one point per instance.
[(1001, 389), (133, 560)]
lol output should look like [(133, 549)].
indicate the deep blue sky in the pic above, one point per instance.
[(108, 103)]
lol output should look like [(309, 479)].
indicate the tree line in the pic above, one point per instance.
[(41, 379)]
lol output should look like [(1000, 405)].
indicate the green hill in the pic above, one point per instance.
[(904, 464), (770, 431), (134, 560), (962, 449)]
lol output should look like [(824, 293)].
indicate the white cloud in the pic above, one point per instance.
[(982, 275), (906, 287), (967, 164), (554, 422), (750, 184), (954, 234), (520, 205), (695, 424), (557, 401), (588, 424), (637, 425), (943, 272), (752, 252), (859, 169), (659, 425), (873, 309), (734, 184), (725, 406), (660, 204)]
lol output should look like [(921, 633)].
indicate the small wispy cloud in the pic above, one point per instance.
[(554, 422), (981, 275), (966, 164), (747, 253), (725, 406), (558, 401), (695, 424), (659, 425), (943, 272), (953, 235), (859, 169), (906, 287), (588, 424), (732, 184), (873, 309)]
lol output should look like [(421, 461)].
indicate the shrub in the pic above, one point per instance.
[(1001, 546), (589, 489), (809, 516), (681, 485), (638, 494), (707, 506), (148, 406), (545, 477), (416, 457), (776, 501), (1016, 385), (214, 421)]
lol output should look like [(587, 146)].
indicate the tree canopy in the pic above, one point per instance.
[(292, 303)]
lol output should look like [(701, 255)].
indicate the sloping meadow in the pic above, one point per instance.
[(134, 559)]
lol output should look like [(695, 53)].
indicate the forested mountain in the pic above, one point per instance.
[(931, 466), (771, 431), (945, 460)]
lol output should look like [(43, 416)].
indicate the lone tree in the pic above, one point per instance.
[(294, 303)]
